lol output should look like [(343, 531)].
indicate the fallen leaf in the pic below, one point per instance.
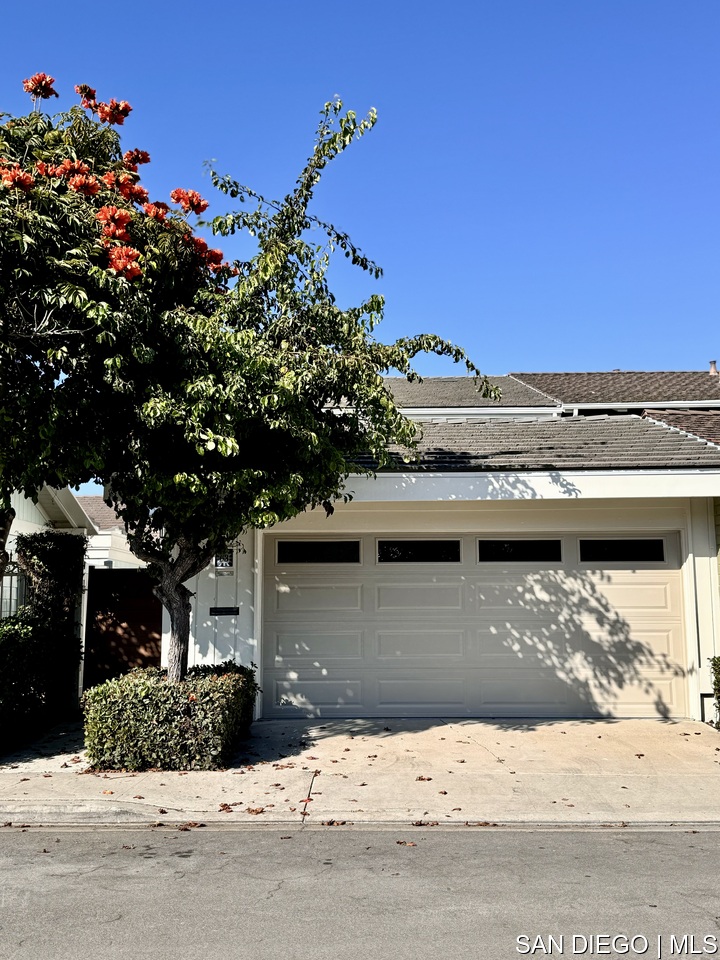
[(457, 808), (255, 810), (108, 791), (138, 796), (334, 823), (287, 837), (443, 792), (423, 778), (46, 775), (481, 823), (462, 761), (639, 754), (162, 810), (405, 843), (424, 823), (225, 808)]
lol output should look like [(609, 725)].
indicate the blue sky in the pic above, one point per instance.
[(542, 183)]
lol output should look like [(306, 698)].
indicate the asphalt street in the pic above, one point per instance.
[(310, 893)]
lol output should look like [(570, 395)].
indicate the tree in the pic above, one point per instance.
[(214, 406)]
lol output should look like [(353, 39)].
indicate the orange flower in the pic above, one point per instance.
[(130, 189), (39, 86), (156, 211), (189, 200), (88, 186), (88, 96), (132, 158), (16, 177), (121, 260), (69, 167), (114, 112), (109, 179), (114, 222)]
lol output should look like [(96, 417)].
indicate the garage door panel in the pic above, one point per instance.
[(295, 647), (426, 694), (641, 596), (407, 645), (321, 694), (418, 596), (316, 597)]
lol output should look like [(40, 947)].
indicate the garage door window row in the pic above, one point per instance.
[(511, 550)]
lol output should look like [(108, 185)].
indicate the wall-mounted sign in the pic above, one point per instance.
[(224, 611)]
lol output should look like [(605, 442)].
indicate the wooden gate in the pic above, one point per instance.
[(124, 624)]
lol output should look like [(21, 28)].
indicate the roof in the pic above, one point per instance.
[(700, 423), (462, 392), (100, 513), (625, 386), (571, 443), (63, 510)]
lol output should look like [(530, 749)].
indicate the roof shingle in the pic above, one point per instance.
[(570, 443), (462, 392), (625, 386)]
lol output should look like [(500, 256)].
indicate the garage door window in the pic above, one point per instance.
[(318, 551), (519, 551), (418, 551), (622, 551)]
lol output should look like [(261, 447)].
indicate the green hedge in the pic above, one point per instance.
[(715, 666), (25, 675), (140, 721), (40, 646)]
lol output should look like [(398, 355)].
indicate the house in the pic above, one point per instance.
[(53, 509), (553, 553)]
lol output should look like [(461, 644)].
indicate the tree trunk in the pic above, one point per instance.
[(175, 597), (7, 515)]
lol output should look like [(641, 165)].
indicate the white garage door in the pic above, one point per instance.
[(575, 625)]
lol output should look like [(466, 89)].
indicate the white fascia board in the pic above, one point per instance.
[(72, 510), (478, 413), (644, 405), (548, 485)]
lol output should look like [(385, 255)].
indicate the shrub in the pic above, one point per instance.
[(139, 721), (715, 666), (24, 678)]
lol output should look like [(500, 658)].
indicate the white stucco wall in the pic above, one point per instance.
[(217, 638)]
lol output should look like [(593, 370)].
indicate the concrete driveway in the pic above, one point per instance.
[(439, 771)]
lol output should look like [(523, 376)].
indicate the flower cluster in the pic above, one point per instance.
[(213, 259), (189, 200), (114, 222), (131, 189), (40, 86), (132, 158), (14, 176), (87, 186), (157, 210), (122, 261), (88, 94), (114, 112), (67, 168)]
